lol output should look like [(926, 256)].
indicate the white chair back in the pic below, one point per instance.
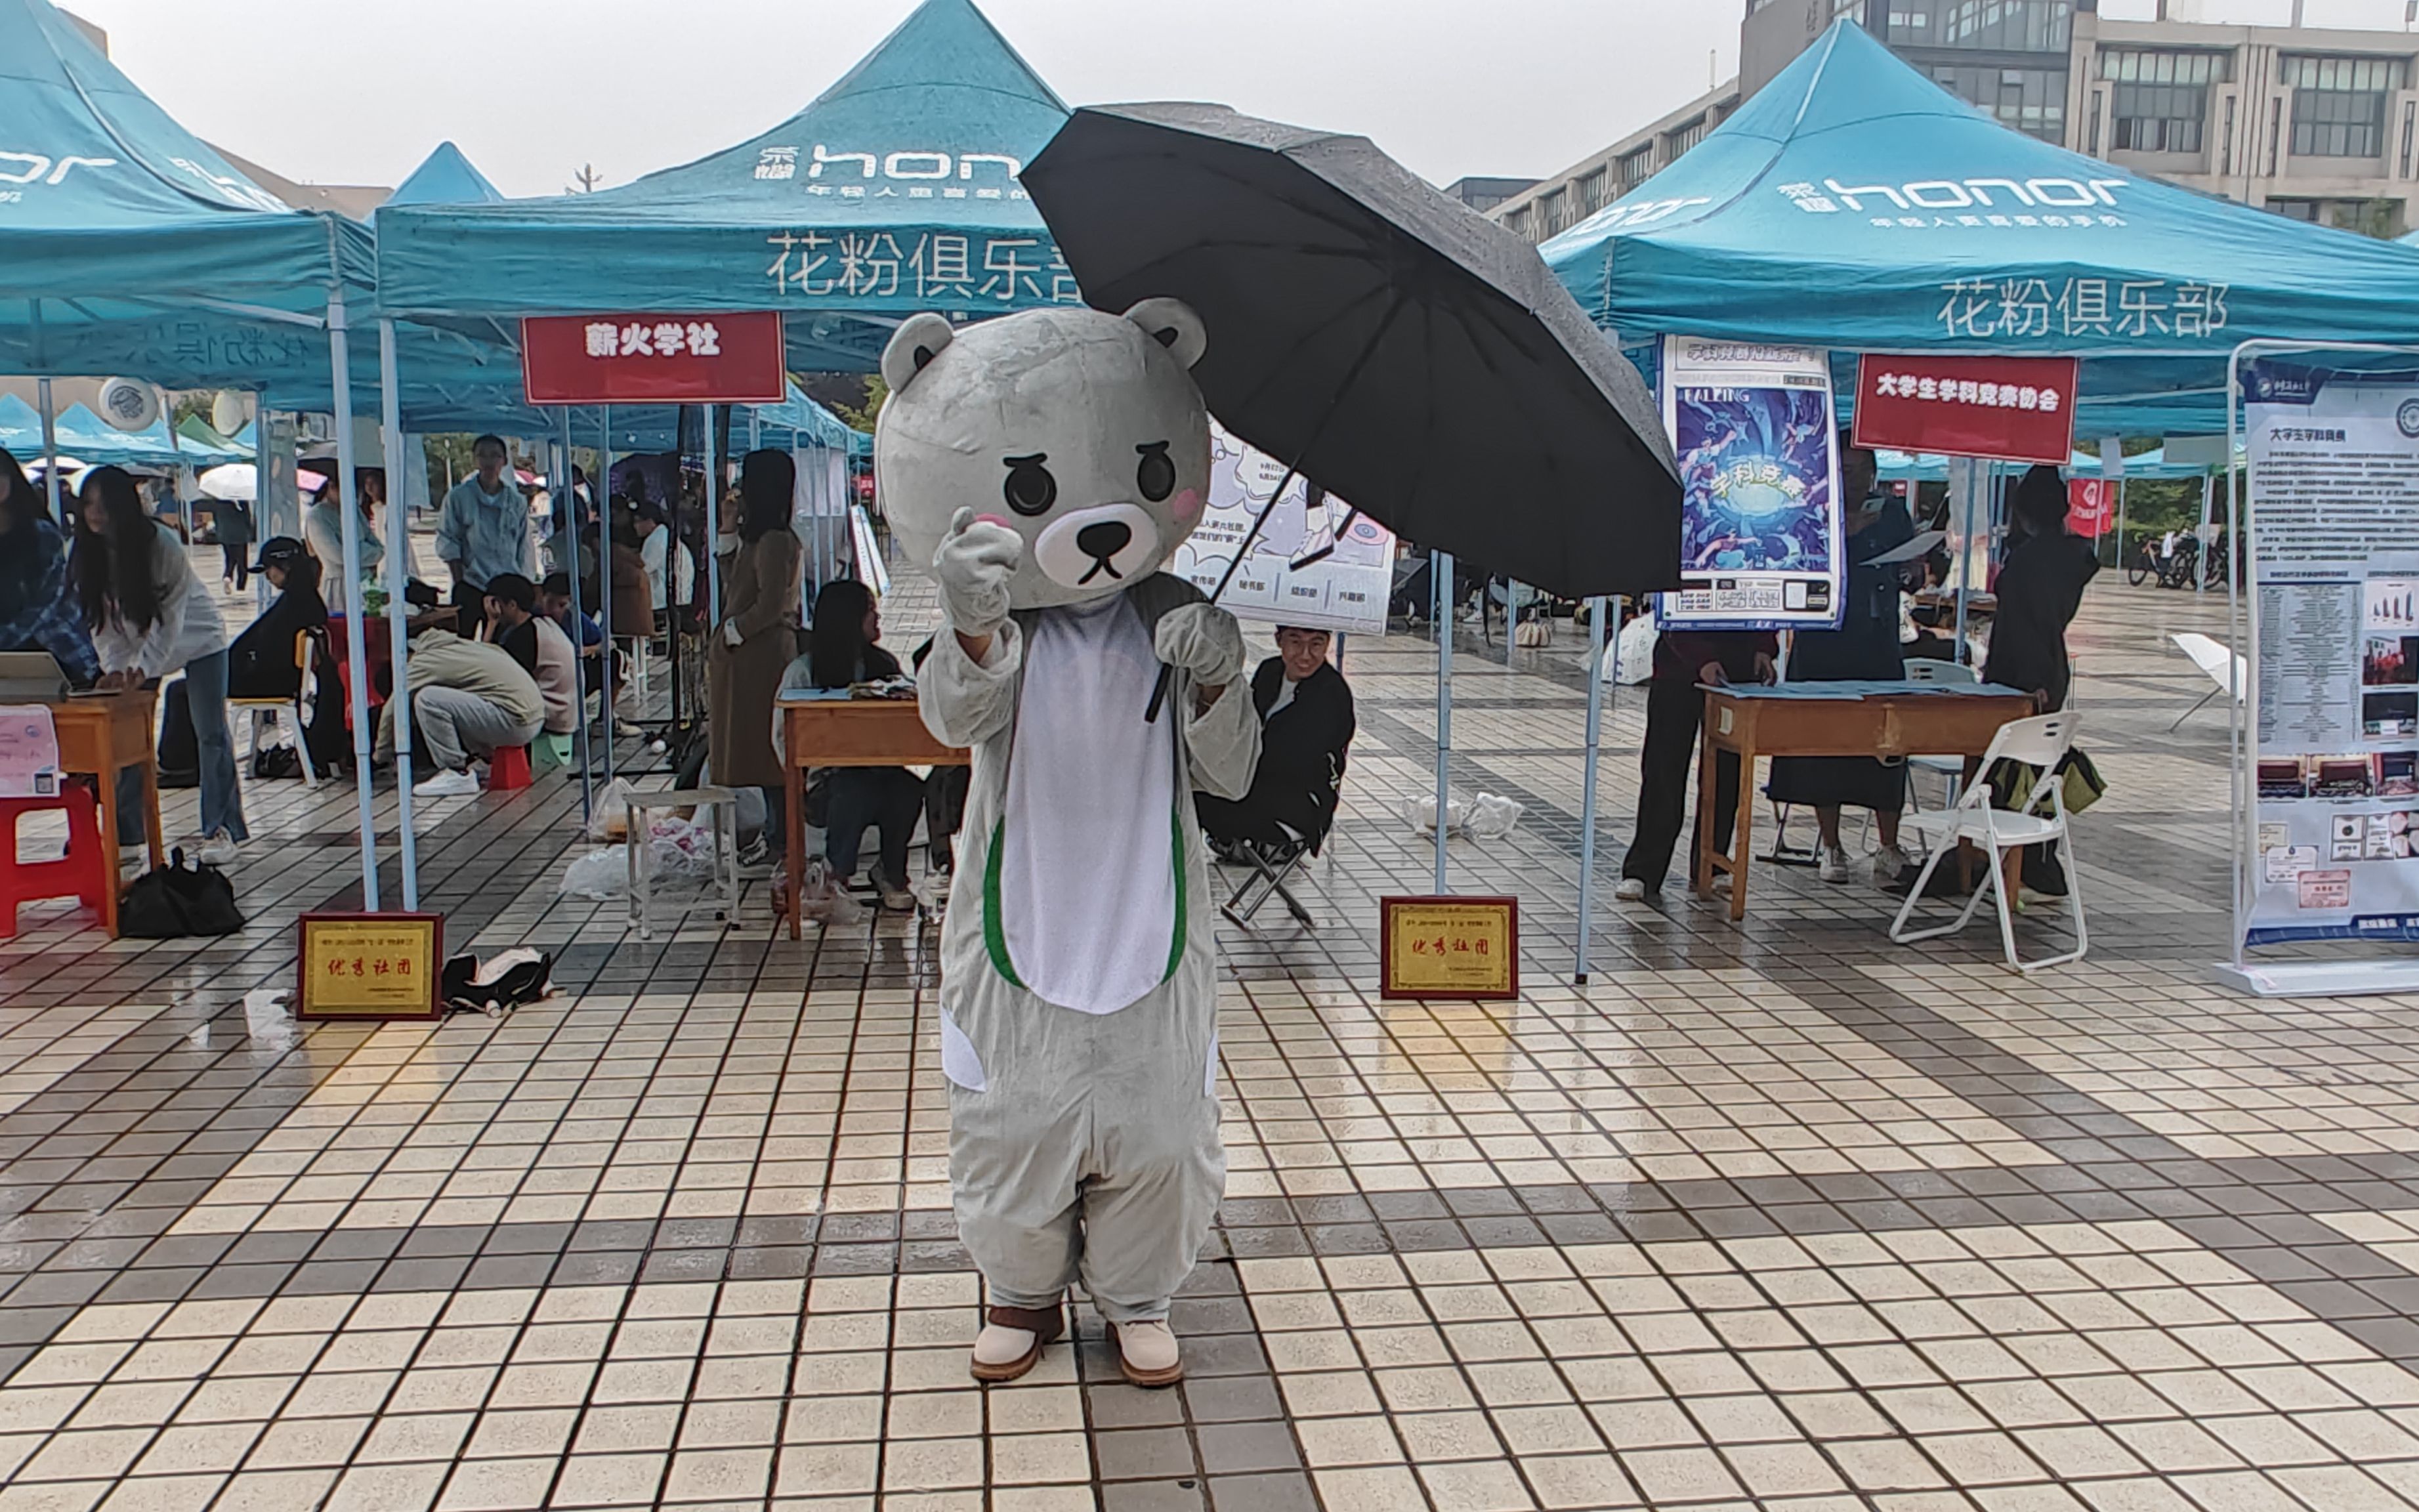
[(2040, 741), (1946, 673)]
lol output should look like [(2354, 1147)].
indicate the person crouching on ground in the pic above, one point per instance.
[(1306, 725), (469, 700), (538, 645)]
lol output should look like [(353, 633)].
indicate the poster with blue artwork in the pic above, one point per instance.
[(1760, 529)]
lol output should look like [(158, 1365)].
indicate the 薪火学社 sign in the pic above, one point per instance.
[(729, 357)]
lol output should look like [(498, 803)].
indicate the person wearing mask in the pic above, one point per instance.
[(536, 642), (845, 801), (750, 651), (1675, 707), (483, 528), (1306, 724), (1865, 648), (2040, 588), (148, 617), (470, 700), (35, 611), (233, 519)]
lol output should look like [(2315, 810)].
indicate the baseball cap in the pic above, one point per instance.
[(277, 551)]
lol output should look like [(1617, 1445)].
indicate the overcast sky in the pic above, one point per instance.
[(358, 91)]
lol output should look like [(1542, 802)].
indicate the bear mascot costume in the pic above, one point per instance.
[(1046, 464)]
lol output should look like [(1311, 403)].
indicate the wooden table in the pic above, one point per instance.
[(1764, 721), (102, 735), (847, 732)]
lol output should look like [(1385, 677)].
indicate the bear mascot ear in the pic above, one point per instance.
[(1173, 324), (912, 346)]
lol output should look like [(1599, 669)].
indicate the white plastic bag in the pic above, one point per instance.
[(1632, 659), (611, 819), (600, 874), (1492, 817), (679, 850), (821, 896), (747, 814), (1421, 813)]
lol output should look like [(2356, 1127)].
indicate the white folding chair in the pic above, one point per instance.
[(2041, 742), (2226, 668), (1951, 770)]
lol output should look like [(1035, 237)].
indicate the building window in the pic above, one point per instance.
[(1687, 136), (1518, 220), (2339, 105), (2225, 138), (1984, 25), (2032, 100), (2379, 218), (2160, 100), (2406, 141), (1553, 213), (1637, 168)]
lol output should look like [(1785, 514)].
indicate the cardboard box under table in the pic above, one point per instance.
[(1885, 719), (843, 732)]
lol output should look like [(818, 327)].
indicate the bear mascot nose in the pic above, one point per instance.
[(1104, 540)]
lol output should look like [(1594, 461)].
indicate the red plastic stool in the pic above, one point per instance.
[(508, 769), (83, 873)]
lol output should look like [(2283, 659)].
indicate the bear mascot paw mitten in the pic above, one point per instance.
[(1048, 465)]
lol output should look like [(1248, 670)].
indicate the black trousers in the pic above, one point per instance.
[(1675, 709)]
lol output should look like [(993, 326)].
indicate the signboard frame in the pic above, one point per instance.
[(561, 363), (311, 930), (1391, 909), (1879, 416)]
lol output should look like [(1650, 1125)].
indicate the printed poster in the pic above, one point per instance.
[(1344, 590), (29, 752), (1760, 532), (2334, 467)]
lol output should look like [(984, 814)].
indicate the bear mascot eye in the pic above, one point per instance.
[(1155, 475), (1030, 489)]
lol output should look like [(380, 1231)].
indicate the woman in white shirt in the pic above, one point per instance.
[(149, 617)]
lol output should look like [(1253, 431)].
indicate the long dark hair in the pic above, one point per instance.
[(26, 556), (2040, 501), (115, 574), (768, 482), (838, 646), (16, 494)]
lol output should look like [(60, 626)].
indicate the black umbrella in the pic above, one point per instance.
[(1400, 352)]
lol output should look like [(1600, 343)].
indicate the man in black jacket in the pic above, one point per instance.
[(1305, 725)]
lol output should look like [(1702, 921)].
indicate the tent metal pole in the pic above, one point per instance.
[(356, 624), (1447, 606), (260, 498), (1597, 612), (562, 471), (604, 578), (398, 523), (50, 453), (1973, 476), (713, 533), (2119, 563), (2200, 578)]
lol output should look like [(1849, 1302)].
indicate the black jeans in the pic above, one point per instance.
[(1675, 708), (239, 565), (887, 799)]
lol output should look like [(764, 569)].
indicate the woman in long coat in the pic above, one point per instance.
[(759, 634)]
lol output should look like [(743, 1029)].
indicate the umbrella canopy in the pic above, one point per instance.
[(1404, 353), (237, 481)]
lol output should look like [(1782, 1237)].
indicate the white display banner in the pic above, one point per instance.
[(1759, 533), (2335, 734), (1344, 590)]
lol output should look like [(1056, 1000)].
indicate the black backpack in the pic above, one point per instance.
[(175, 901)]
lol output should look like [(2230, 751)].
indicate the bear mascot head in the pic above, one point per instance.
[(1081, 431)]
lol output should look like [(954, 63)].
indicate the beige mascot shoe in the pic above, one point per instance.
[(1012, 1340), (1148, 1352)]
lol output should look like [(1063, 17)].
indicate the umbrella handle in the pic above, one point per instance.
[(1166, 673)]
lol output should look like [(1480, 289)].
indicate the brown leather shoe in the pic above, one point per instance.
[(1047, 1326)]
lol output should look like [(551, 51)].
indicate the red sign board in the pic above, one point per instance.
[(2011, 408), (654, 359), (2091, 507)]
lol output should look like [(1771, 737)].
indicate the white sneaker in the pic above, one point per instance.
[(1834, 864), (1631, 891), (1889, 863), (221, 849), (447, 785), (1147, 1353)]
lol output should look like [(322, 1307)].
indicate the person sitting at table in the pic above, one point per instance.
[(1306, 725), (262, 664), (1675, 707), (470, 700), (538, 644), (149, 616), (1865, 648), (36, 613), (845, 801), (2040, 589)]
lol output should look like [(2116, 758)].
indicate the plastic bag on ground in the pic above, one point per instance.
[(748, 814), (1493, 816), (1422, 812), (610, 820), (600, 874), (821, 898), (1630, 660), (679, 850)]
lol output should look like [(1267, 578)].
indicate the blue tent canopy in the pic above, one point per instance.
[(894, 192), (446, 177), (1855, 204)]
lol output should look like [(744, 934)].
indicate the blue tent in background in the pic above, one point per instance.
[(446, 177), (894, 192), (1852, 204)]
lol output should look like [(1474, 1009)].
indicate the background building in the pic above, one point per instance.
[(2312, 122)]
